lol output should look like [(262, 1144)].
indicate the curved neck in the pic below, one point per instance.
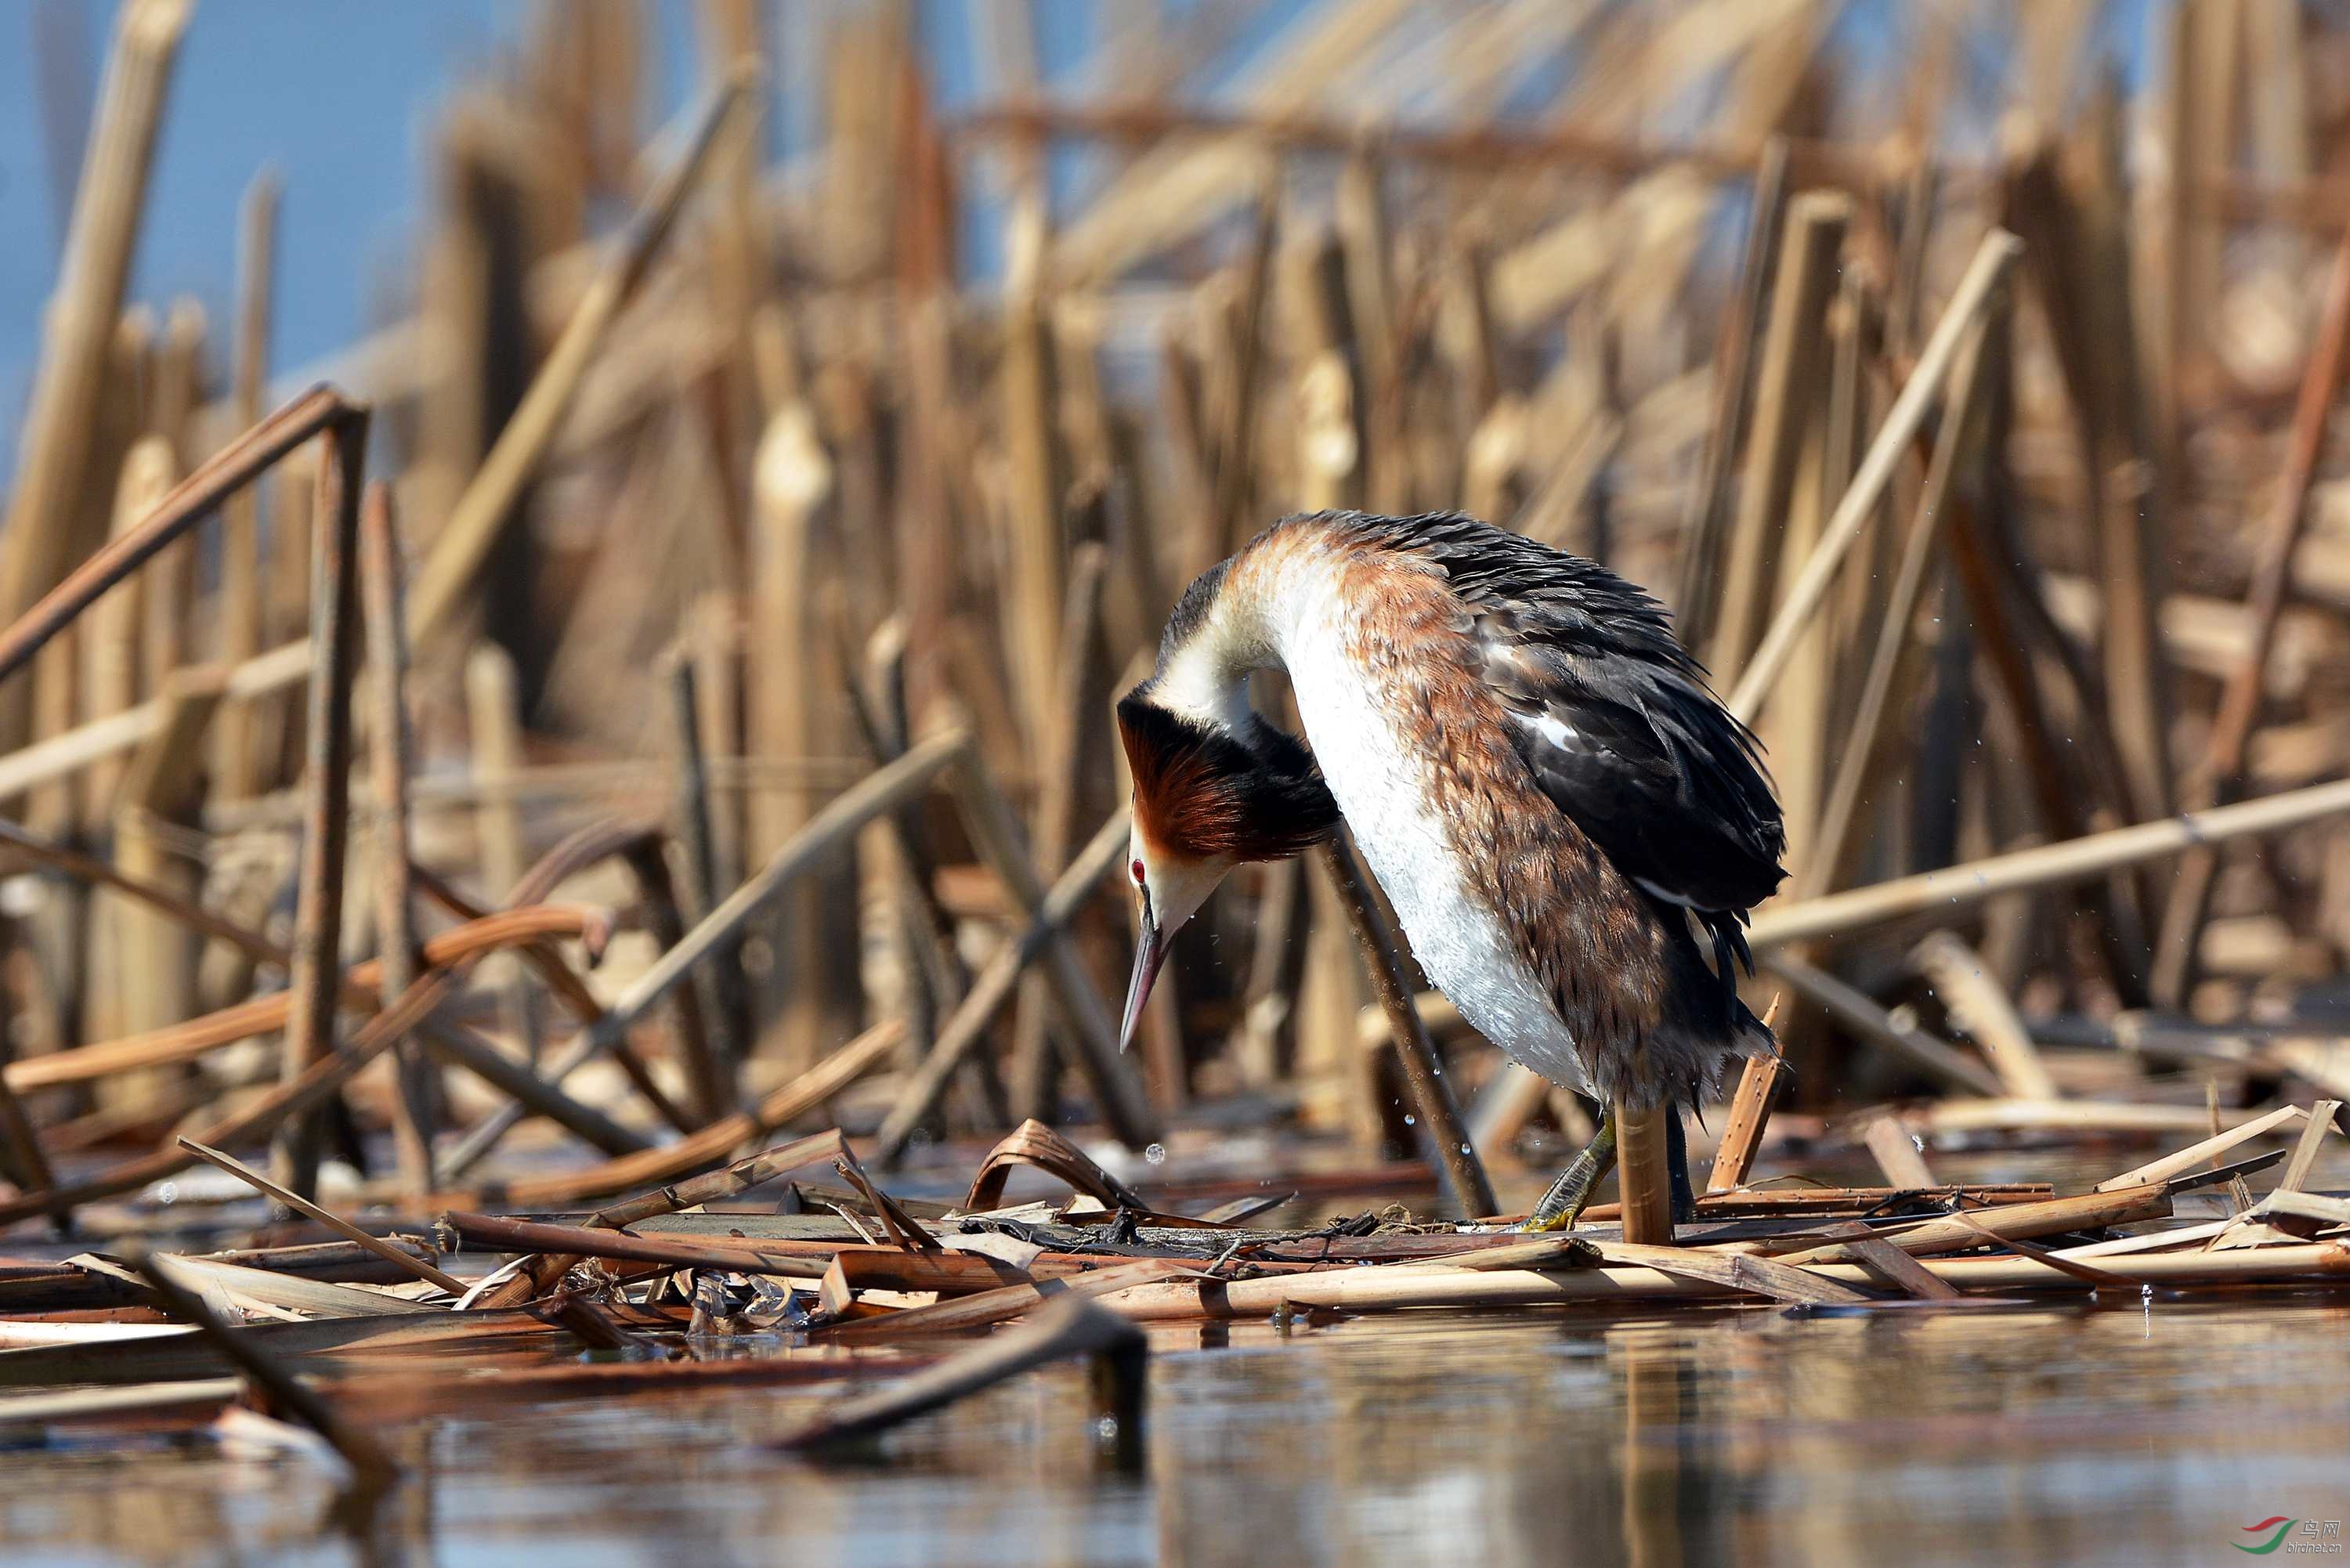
[(1206, 674)]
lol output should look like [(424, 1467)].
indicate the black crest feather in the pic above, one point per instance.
[(1207, 791)]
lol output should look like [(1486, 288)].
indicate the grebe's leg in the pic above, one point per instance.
[(1565, 1201), (1677, 1162)]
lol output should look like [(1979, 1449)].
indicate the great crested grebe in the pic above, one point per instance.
[(1570, 827)]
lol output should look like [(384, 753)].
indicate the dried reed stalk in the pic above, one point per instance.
[(264, 1013), (786, 1104), (1734, 360), (1061, 766), (290, 1100), (1976, 295), (62, 409), (399, 1257), (334, 662), (1731, 1271), (1977, 1000), (835, 825), (379, 572), (60, 756), (1853, 1009), (1895, 1155), (234, 465), (1750, 1112), (1466, 1187), (372, 1467), (1815, 226), (1958, 1233), (1073, 1327), (458, 1046), (502, 1234), (1372, 1288), (2051, 865), (994, 830), (495, 731), (462, 543), (153, 953), (2193, 1155), (26, 1163), (1961, 426), (697, 819), (966, 1029), (1036, 541), (2227, 753), (109, 640), (235, 755)]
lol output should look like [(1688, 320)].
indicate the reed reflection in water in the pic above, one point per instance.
[(2122, 1433)]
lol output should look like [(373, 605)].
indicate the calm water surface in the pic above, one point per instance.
[(2130, 1434)]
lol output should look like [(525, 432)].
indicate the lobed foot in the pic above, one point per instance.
[(1565, 1202)]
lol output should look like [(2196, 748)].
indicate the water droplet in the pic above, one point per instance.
[(1107, 1428), (1410, 1121), (1919, 1142), (1464, 1149), (2146, 1294), (1156, 1154), (168, 1193)]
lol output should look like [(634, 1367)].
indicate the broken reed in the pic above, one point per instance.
[(868, 510)]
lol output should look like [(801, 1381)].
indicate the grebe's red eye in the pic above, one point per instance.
[(1138, 873)]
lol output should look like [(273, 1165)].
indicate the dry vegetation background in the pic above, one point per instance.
[(901, 447)]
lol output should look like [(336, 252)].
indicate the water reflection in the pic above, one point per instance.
[(2051, 1434), (2041, 1435)]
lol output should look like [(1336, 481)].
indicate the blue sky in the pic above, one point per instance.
[(340, 97), (335, 93)]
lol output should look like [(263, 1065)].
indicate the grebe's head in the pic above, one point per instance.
[(1210, 792)]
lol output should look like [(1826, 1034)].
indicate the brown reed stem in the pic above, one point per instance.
[(2227, 753), (462, 543), (62, 410), (379, 573), (1466, 1187), (334, 660)]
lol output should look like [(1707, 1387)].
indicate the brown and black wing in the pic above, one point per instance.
[(1614, 718), (1644, 759)]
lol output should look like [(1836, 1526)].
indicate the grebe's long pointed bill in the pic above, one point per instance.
[(1150, 946), (1171, 888)]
